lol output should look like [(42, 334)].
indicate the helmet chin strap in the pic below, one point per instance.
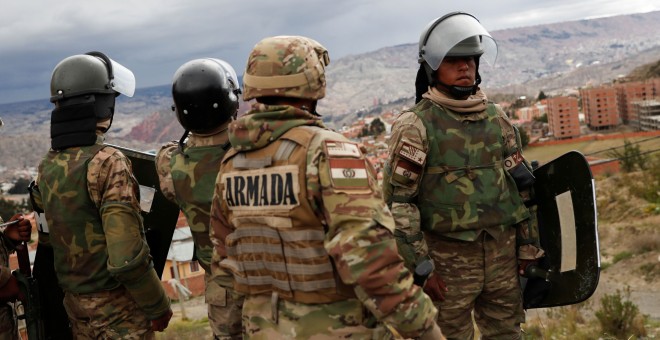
[(461, 91)]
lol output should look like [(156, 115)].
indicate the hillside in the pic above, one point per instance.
[(550, 57)]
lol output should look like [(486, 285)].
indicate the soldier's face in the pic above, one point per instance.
[(459, 71)]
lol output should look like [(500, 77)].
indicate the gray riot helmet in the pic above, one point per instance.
[(83, 87), (456, 34), (205, 93)]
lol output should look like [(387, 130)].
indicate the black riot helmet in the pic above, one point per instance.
[(83, 88), (456, 34), (205, 93)]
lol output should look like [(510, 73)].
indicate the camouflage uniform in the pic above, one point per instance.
[(465, 212), (102, 259), (297, 217), (188, 178), (8, 326)]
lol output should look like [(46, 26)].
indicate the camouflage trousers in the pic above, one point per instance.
[(8, 327), (265, 318), (224, 310), (106, 315), (482, 278)]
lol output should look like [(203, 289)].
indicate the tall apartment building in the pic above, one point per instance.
[(600, 107), (563, 117), (629, 93)]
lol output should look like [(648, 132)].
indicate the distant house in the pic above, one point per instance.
[(180, 264)]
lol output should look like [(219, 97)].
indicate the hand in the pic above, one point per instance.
[(21, 231), (523, 264), (161, 323), (435, 287), (10, 292)]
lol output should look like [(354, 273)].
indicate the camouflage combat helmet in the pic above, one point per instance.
[(205, 93), (286, 66)]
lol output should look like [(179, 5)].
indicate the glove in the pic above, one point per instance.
[(433, 334), (21, 231), (435, 287), (523, 264), (161, 323), (10, 292)]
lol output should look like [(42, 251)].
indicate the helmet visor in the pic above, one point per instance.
[(440, 37), (124, 80)]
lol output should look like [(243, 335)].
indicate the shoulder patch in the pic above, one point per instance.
[(342, 149), (412, 153), (348, 173)]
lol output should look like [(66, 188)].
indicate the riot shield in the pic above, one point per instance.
[(568, 232), (159, 214)]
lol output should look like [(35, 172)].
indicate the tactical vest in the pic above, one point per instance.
[(76, 231), (193, 175), (277, 245), (465, 184)]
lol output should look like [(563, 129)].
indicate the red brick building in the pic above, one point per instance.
[(563, 117), (600, 107)]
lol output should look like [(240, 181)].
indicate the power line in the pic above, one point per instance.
[(631, 156), (621, 146)]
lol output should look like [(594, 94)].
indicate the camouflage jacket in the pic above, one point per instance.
[(7, 319), (355, 220), (187, 178), (415, 141), (6, 248), (97, 183)]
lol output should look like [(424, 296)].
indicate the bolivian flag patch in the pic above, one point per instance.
[(348, 173)]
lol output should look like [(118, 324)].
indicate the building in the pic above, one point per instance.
[(528, 113), (180, 268), (648, 112), (563, 117), (629, 93), (600, 107)]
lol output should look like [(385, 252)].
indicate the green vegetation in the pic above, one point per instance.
[(8, 207), (186, 329), (619, 318)]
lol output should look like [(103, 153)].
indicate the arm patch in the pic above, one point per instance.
[(348, 168), (412, 153)]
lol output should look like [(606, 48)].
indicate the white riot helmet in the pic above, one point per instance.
[(456, 34)]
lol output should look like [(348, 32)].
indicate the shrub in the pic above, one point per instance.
[(618, 317)]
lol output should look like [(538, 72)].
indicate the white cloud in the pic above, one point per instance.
[(154, 37)]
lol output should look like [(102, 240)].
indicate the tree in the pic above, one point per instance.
[(630, 158), (541, 96), (20, 187), (543, 118), (376, 127), (524, 137)]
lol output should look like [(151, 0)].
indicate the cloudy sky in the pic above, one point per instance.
[(154, 37)]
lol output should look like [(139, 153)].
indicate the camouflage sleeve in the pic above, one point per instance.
[(527, 234), (164, 170), (37, 206), (129, 261), (359, 237), (219, 228), (5, 271), (401, 177)]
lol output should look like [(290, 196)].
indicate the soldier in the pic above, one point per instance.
[(297, 216), (9, 289), (205, 93), (456, 180), (92, 208)]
